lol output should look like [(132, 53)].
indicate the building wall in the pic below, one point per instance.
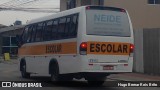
[(12, 33), (86, 2), (142, 14), (151, 51), (78, 3)]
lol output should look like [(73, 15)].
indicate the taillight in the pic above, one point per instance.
[(123, 10), (88, 7), (131, 48), (83, 48)]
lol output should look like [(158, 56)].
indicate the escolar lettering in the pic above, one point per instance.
[(54, 48), (109, 48)]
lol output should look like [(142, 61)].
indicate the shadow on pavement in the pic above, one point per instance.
[(46, 81)]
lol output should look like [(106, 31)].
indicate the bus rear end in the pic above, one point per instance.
[(107, 45)]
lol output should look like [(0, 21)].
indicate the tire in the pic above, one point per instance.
[(55, 76), (24, 74), (93, 81)]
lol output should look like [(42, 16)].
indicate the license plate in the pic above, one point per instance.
[(108, 67)]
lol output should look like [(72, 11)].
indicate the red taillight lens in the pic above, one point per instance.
[(88, 7), (131, 48), (83, 48), (83, 45), (123, 10)]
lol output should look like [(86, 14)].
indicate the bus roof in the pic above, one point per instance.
[(59, 14), (70, 11)]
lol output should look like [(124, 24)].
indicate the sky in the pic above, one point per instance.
[(9, 17)]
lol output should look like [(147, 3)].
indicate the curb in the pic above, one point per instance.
[(135, 77), (11, 61)]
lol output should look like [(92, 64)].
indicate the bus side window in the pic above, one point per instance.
[(48, 31), (68, 26), (24, 35), (33, 33), (74, 25), (38, 36), (55, 29), (61, 28), (29, 34)]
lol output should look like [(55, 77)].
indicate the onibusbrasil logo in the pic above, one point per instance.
[(21, 84)]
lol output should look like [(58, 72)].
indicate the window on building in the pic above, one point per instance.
[(5, 49), (14, 50), (13, 41), (153, 1), (85, 2), (100, 2), (6, 41), (10, 45)]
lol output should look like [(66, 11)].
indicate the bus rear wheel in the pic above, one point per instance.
[(58, 78), (55, 76), (24, 74)]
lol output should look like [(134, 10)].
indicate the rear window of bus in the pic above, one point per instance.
[(107, 23)]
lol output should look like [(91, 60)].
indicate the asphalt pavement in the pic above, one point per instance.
[(12, 65), (9, 71)]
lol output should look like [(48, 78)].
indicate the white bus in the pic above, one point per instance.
[(89, 42)]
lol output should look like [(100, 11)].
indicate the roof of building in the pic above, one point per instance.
[(11, 28), (2, 26)]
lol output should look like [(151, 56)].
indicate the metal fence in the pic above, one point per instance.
[(147, 51)]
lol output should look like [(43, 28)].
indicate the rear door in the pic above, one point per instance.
[(108, 34)]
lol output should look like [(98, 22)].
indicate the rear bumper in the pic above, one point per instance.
[(118, 67), (101, 68)]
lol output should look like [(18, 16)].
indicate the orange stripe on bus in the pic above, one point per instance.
[(55, 48)]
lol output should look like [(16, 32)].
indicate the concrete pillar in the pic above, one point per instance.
[(78, 3), (63, 5), (85, 2), (94, 2)]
